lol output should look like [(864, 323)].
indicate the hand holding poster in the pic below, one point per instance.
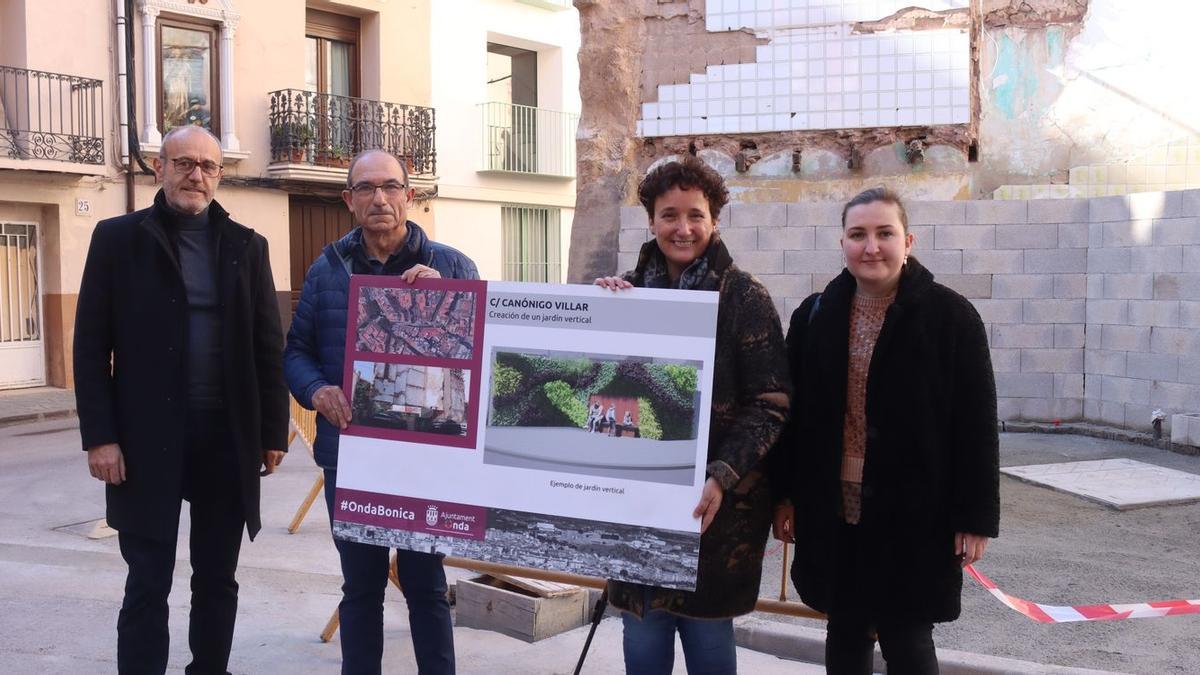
[(546, 426)]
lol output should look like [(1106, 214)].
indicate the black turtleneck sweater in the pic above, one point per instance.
[(196, 240)]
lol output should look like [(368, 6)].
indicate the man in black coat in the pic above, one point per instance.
[(180, 391)]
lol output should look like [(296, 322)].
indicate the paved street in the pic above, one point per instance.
[(60, 592), (1061, 549)]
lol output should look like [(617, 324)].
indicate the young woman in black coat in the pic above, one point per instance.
[(887, 476)]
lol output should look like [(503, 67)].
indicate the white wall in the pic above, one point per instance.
[(460, 32), (474, 228), (1051, 99), (468, 204)]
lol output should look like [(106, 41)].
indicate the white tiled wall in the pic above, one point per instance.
[(820, 76), (778, 14)]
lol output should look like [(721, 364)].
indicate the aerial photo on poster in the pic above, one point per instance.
[(420, 322)]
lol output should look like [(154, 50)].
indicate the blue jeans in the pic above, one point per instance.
[(365, 577), (708, 646)]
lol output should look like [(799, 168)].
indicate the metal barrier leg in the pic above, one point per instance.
[(597, 617)]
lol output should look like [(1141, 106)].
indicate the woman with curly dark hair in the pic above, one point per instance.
[(888, 471), (749, 406)]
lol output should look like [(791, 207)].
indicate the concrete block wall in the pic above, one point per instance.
[(1142, 348), (1092, 306)]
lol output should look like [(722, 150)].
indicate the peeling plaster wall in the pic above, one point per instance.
[(1057, 84), (1086, 92), (1032, 13)]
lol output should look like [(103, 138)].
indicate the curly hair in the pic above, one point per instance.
[(877, 194), (686, 174)]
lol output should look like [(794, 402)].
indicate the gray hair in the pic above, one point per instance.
[(371, 151)]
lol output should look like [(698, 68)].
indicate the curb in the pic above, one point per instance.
[(1098, 431), (13, 420), (801, 643)]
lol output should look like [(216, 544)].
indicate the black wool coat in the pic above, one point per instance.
[(133, 310), (932, 455)]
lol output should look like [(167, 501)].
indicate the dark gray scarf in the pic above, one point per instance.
[(704, 274)]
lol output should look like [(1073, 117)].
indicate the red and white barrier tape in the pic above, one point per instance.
[(1065, 614)]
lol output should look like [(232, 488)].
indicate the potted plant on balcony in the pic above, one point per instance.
[(341, 156), (292, 141), (336, 155)]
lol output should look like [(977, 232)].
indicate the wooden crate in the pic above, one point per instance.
[(529, 614)]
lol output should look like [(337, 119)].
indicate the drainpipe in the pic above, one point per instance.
[(130, 152), (122, 100), (121, 75)]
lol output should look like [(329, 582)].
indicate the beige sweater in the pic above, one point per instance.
[(866, 318)]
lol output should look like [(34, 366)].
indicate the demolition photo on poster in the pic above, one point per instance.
[(546, 426)]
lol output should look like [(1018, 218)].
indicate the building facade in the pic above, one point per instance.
[(293, 90), (816, 100), (1048, 156)]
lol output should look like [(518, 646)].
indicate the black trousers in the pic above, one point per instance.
[(210, 485), (907, 646)]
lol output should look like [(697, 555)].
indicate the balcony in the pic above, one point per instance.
[(50, 121), (524, 140), (314, 136)]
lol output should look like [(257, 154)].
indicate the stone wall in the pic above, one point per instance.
[(1092, 306)]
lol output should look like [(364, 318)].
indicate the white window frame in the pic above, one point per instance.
[(513, 218), (225, 16)]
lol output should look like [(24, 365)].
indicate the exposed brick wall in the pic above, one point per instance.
[(1033, 13), (1092, 306), (678, 46)]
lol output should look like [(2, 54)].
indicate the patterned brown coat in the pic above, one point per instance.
[(749, 408)]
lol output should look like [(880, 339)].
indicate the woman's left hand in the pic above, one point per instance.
[(710, 502), (970, 547), (612, 283)]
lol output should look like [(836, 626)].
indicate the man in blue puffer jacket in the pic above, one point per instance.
[(385, 242)]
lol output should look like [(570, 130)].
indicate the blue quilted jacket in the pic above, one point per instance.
[(316, 342)]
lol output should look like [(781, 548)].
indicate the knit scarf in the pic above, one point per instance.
[(704, 274)]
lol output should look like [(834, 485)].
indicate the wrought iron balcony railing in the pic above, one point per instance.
[(523, 139), (323, 129), (51, 116)]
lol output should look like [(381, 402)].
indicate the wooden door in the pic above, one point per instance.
[(313, 223)]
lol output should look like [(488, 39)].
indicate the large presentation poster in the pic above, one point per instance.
[(549, 426)]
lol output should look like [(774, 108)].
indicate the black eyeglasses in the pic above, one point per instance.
[(390, 189), (186, 165)]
